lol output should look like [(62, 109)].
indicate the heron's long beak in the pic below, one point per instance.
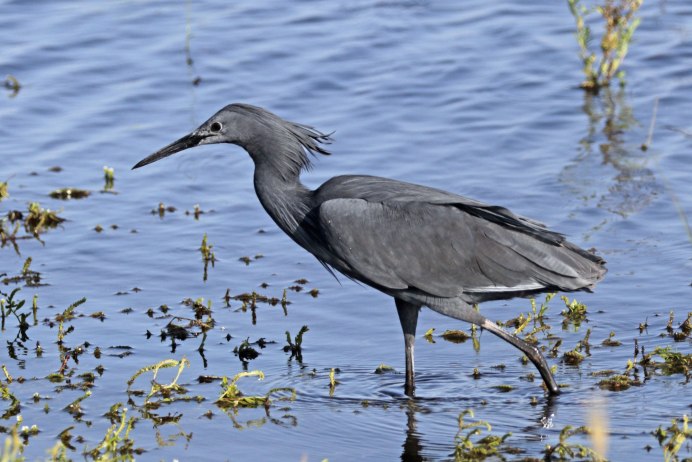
[(187, 141)]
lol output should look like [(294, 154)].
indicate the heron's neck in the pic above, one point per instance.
[(284, 198)]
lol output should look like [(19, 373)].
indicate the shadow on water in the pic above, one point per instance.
[(412, 444), (627, 184)]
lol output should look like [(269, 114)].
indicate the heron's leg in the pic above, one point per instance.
[(531, 352), (464, 312), (408, 315)]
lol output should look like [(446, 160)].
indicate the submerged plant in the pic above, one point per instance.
[(620, 24)]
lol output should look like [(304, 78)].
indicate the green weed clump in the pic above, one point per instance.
[(116, 444), (207, 255), (70, 193), (231, 398), (564, 450), (467, 449), (296, 347), (620, 24), (674, 362), (36, 220), (671, 439), (108, 178), (574, 313)]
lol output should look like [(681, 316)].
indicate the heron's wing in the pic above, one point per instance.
[(377, 189), (442, 249)]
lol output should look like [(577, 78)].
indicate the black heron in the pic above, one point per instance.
[(423, 246)]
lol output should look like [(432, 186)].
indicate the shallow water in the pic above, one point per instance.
[(480, 100)]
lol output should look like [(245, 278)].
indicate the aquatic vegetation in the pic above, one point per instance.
[(108, 178), (4, 190), (232, 398), (207, 255), (196, 211), (610, 341), (538, 313), (198, 306), (296, 347), (247, 260), (503, 388), (574, 313), (162, 393), (475, 338), (35, 220), (250, 300), (573, 357), (384, 369), (685, 327), (11, 83), (14, 407), (162, 209), (12, 448), (75, 407), (519, 323), (671, 439), (584, 345), (620, 24), (245, 351), (468, 449), (116, 444), (70, 193), (674, 362), (564, 450), (455, 336), (619, 382), (39, 219), (11, 307), (332, 380), (67, 315)]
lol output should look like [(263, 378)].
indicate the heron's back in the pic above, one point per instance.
[(399, 236)]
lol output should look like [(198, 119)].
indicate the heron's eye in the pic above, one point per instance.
[(215, 127)]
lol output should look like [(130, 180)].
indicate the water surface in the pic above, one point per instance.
[(481, 100)]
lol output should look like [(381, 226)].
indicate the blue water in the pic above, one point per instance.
[(481, 99)]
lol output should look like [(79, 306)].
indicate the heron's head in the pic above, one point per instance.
[(255, 129)]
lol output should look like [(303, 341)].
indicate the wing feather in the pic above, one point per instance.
[(441, 249)]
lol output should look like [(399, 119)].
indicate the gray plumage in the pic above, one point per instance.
[(423, 246)]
